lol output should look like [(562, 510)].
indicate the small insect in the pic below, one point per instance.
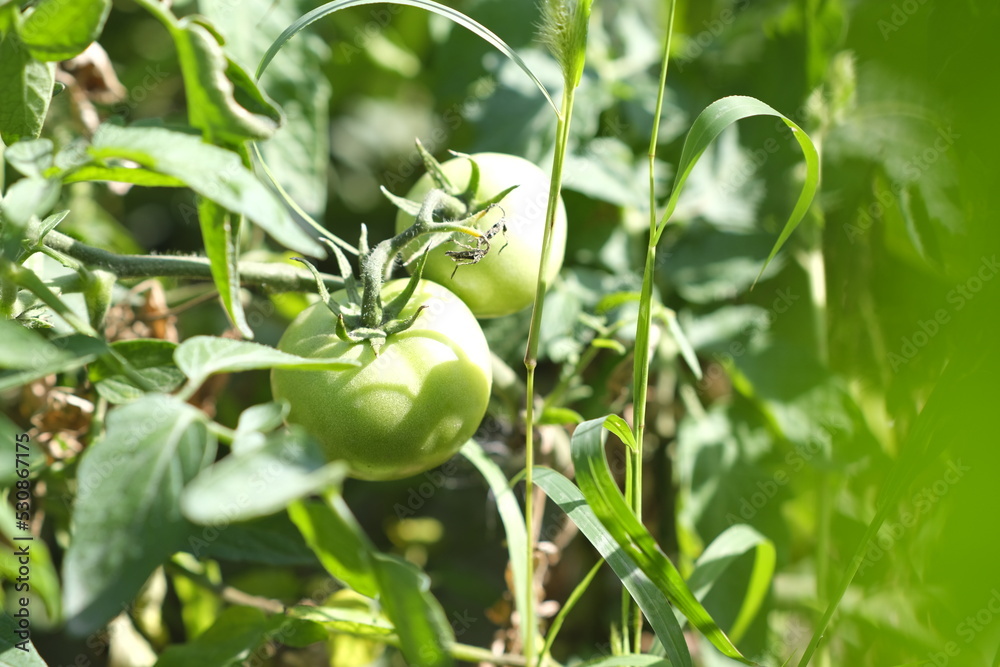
[(473, 254)]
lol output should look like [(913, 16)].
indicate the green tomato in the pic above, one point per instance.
[(504, 281), (400, 413)]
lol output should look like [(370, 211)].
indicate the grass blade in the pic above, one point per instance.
[(651, 601), (595, 480), (709, 125), (513, 524), (441, 10)]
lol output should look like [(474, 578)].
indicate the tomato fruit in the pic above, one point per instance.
[(404, 411), (503, 282)]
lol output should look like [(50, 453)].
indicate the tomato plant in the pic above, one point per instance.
[(404, 411), (503, 280)]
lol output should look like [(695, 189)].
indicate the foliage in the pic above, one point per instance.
[(760, 388)]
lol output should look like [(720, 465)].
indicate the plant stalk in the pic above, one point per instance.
[(531, 356), (267, 277), (640, 371)]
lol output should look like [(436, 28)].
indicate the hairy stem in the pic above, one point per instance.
[(266, 277)]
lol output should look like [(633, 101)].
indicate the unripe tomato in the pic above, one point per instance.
[(400, 413), (503, 282)]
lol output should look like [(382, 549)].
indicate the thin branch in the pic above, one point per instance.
[(263, 276)]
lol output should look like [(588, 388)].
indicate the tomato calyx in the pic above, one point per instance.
[(449, 203), (363, 317)]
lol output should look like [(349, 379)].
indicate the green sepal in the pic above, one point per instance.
[(473, 186), (324, 294), (402, 203), (496, 199), (344, 266), (434, 170), (395, 307), (398, 326)]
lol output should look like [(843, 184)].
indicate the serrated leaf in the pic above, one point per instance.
[(127, 518), (212, 172), (259, 482), (219, 230), (202, 356), (61, 29), (25, 91)]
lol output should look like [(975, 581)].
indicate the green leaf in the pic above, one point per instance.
[(559, 416), (403, 589), (212, 172), (651, 601), (709, 125), (513, 524), (71, 353), (424, 631), (127, 518), (219, 230), (31, 157), (236, 635), (134, 175), (25, 91), (603, 495), (334, 535), (620, 427), (348, 619), (725, 550), (254, 422), (428, 5), (222, 99), (11, 653), (152, 359), (202, 356), (297, 154), (262, 481), (61, 29), (27, 198), (24, 349), (687, 351), (272, 540)]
